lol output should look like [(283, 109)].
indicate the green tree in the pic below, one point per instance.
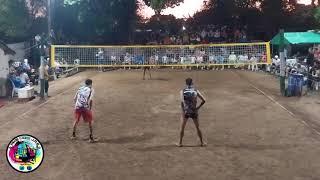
[(15, 20), (96, 21)]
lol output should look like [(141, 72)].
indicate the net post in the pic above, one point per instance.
[(52, 59), (268, 53)]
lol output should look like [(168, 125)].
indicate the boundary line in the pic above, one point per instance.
[(280, 105)]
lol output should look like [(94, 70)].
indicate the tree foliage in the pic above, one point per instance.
[(97, 21), (14, 20)]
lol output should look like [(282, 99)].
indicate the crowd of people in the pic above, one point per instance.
[(201, 35), (22, 74), (308, 66)]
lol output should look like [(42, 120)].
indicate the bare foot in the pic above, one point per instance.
[(73, 137), (179, 145)]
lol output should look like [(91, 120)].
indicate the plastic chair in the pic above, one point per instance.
[(14, 88)]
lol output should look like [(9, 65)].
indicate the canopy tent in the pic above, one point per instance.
[(298, 38)]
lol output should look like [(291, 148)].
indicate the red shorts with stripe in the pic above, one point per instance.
[(86, 114)]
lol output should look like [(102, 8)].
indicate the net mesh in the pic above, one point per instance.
[(181, 55)]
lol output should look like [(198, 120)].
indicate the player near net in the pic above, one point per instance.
[(83, 105), (189, 97), (147, 67)]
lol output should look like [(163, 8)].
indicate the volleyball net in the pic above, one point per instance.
[(161, 55)]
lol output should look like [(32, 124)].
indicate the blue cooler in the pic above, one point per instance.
[(291, 85), (299, 81)]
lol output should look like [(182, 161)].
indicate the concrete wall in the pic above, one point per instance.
[(19, 48)]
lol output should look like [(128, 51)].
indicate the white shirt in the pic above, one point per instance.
[(24, 78), (83, 97), (232, 57), (243, 58)]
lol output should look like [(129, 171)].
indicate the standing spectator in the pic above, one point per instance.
[(12, 69), (224, 35), (237, 35), (46, 77), (167, 40), (193, 39), (243, 36), (198, 39), (26, 65), (185, 39), (217, 35), (179, 40), (203, 34), (310, 63)]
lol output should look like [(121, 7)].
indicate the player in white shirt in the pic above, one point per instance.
[(83, 106)]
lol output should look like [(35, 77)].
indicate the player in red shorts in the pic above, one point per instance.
[(83, 106)]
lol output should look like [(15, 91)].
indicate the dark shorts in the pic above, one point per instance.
[(86, 114), (191, 115)]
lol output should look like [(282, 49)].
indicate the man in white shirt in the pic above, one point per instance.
[(253, 63), (83, 105), (232, 58), (24, 78)]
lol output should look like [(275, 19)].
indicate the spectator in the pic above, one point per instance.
[(211, 36), (167, 40), (237, 35), (185, 38), (232, 58), (203, 34), (16, 81), (224, 35), (12, 69), (26, 65), (243, 37), (193, 39), (310, 63), (24, 78), (198, 39), (253, 63), (217, 35)]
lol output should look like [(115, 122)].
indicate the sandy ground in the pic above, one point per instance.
[(249, 135)]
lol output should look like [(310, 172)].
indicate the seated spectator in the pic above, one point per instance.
[(16, 81), (127, 58), (24, 78), (253, 63), (232, 58)]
